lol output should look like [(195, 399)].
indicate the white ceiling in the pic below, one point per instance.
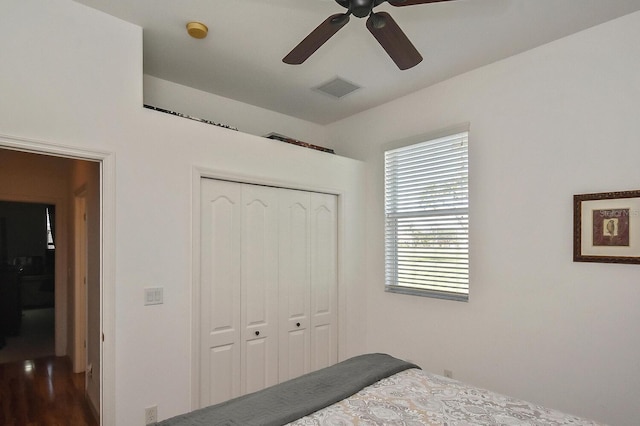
[(241, 58)]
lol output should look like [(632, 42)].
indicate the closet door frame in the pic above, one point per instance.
[(198, 174)]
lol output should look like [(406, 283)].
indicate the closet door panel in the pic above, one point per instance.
[(295, 353), (258, 368), (324, 280), (259, 287), (222, 377), (220, 291), (294, 269), (323, 347)]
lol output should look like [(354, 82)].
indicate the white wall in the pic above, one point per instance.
[(72, 77), (544, 125), (244, 117)]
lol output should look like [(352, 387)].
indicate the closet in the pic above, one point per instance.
[(268, 286)]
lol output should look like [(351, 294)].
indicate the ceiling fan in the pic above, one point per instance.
[(380, 24)]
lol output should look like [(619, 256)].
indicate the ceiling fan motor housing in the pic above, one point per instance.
[(359, 8)]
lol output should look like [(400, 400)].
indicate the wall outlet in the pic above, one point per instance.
[(448, 373), (151, 415)]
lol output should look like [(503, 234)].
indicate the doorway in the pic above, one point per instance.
[(69, 184)]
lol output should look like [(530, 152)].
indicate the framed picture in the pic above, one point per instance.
[(606, 227)]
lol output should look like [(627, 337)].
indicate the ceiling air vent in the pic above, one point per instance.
[(337, 88)]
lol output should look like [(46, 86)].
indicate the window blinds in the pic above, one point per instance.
[(427, 218)]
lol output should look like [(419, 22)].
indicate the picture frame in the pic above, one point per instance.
[(606, 227)]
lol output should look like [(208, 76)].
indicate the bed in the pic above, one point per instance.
[(374, 389)]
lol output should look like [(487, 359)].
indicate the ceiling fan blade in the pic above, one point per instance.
[(316, 38), (393, 40), (412, 2)]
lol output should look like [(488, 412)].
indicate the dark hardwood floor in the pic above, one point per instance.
[(43, 392)]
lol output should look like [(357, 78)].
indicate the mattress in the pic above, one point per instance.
[(414, 397), (374, 389)]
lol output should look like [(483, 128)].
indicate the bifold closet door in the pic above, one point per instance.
[(308, 282), (324, 280), (295, 284), (220, 314), (239, 289), (268, 286), (259, 288)]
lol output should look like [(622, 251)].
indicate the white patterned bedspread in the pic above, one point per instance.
[(414, 397)]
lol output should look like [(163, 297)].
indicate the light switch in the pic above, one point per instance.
[(153, 296)]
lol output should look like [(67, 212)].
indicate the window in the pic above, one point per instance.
[(49, 213), (427, 218)]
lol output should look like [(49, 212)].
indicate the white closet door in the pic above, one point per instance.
[(324, 280), (220, 291), (294, 266), (268, 289), (259, 287)]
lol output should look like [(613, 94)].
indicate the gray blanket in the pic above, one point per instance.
[(290, 400)]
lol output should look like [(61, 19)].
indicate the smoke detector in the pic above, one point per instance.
[(197, 29)]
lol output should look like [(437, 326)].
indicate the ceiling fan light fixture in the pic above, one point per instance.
[(197, 29)]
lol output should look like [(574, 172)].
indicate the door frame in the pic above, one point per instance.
[(199, 173), (80, 282), (106, 162)]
